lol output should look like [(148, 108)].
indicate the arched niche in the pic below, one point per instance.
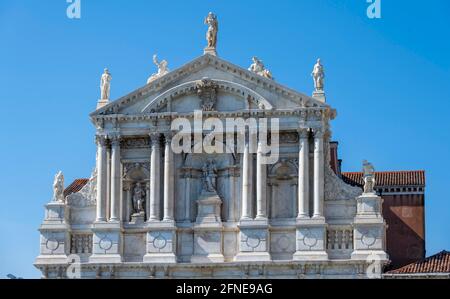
[(283, 182)]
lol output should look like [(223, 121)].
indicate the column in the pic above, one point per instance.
[(168, 180), (115, 178), (154, 177), (303, 174), (261, 186), (101, 178), (187, 195), (246, 184), (318, 174)]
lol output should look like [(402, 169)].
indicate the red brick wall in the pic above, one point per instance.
[(405, 235)]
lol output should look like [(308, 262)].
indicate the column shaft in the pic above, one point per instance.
[(246, 184), (155, 178), (303, 175), (318, 174), (261, 186), (101, 178), (168, 181), (115, 178)]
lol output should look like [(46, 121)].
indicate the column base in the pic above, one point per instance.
[(253, 257)]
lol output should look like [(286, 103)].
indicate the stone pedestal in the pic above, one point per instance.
[(102, 103), (107, 243), (319, 95), (55, 239), (369, 229), (311, 239), (210, 50), (161, 242), (253, 241), (138, 218), (208, 236)]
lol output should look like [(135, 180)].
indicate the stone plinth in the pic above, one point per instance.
[(319, 95), (369, 229), (253, 241), (209, 205), (311, 239), (107, 243), (210, 50), (138, 218), (161, 242), (208, 230)]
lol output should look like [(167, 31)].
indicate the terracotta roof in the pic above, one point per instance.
[(76, 186), (438, 263), (388, 178)]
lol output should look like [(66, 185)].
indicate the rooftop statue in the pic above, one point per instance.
[(318, 75), (162, 69), (259, 68), (58, 187), (369, 177), (105, 85), (213, 28)]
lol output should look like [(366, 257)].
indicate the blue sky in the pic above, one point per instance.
[(387, 78)]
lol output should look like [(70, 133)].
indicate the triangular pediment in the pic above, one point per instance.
[(237, 82)]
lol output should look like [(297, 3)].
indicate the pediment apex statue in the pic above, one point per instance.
[(258, 67)]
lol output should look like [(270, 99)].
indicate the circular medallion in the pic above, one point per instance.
[(52, 244), (253, 241), (105, 243), (160, 242), (310, 239), (283, 243), (368, 239)]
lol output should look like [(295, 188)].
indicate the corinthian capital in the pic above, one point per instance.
[(303, 133), (101, 140), (155, 138), (115, 139), (318, 133)]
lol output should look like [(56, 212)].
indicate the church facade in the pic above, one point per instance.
[(178, 192)]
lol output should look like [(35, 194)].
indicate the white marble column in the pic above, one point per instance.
[(115, 178), (261, 184), (246, 213), (101, 178), (155, 161), (168, 180), (303, 174), (318, 174)]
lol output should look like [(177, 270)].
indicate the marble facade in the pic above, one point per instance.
[(291, 219)]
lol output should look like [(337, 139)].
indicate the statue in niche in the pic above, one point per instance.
[(105, 85), (213, 28), (369, 177), (318, 75), (162, 69), (210, 176), (138, 198), (258, 67), (58, 187)]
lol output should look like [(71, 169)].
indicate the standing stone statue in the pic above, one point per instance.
[(162, 69), (211, 34), (318, 75), (105, 85), (58, 187), (258, 67), (138, 198), (209, 176), (369, 177)]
